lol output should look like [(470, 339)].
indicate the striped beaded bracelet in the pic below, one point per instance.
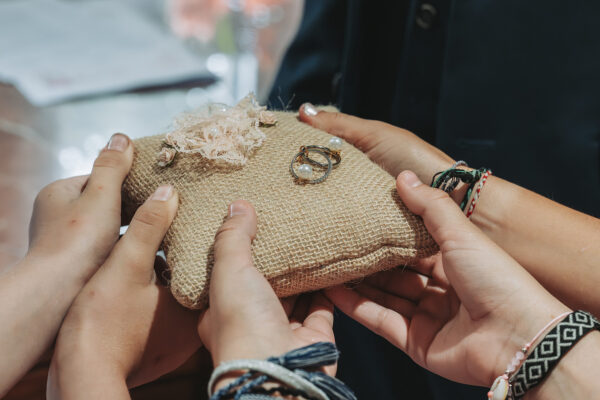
[(532, 367)]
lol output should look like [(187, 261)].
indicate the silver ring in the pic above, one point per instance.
[(302, 155), (332, 153)]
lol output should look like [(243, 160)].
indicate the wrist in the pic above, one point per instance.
[(77, 376), (575, 376), (72, 268), (47, 287), (80, 377), (75, 354), (524, 328)]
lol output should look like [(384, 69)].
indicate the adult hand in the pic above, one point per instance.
[(461, 314), (123, 324), (245, 318), (393, 148), (75, 223)]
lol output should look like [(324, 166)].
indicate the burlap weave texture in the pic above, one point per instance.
[(309, 236)]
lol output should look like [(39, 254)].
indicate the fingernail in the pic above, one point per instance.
[(118, 142), (310, 109), (162, 193), (237, 208), (409, 178)]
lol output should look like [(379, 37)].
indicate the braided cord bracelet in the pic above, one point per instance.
[(449, 179), (288, 370), (482, 182)]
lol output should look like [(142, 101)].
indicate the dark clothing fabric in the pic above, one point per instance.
[(511, 85), (506, 84), (314, 57)]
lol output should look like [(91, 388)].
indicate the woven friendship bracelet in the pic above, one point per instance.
[(267, 368), (550, 350), (449, 179), (482, 182), (289, 371)]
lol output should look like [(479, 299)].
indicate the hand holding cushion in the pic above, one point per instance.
[(309, 236)]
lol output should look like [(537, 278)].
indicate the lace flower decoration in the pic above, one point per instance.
[(226, 135)]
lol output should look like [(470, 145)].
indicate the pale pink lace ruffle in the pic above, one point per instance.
[(226, 135)]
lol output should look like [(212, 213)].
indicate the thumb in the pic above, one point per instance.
[(480, 272), (440, 213), (242, 301), (145, 234), (235, 283), (352, 129)]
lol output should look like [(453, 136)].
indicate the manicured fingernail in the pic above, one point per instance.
[(310, 109), (409, 178), (118, 142), (163, 193), (237, 208)]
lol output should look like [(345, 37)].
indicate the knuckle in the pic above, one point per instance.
[(228, 232), (336, 116), (48, 192), (446, 234), (380, 321), (438, 198), (43, 194), (434, 199), (53, 186), (151, 216), (109, 159), (337, 119)]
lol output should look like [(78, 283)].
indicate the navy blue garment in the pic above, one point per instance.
[(508, 84), (313, 58)]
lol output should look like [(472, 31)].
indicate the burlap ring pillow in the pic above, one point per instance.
[(310, 236)]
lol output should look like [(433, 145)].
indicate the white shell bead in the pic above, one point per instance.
[(305, 171), (499, 389), (335, 143)]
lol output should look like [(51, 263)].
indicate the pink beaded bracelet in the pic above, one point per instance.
[(500, 387)]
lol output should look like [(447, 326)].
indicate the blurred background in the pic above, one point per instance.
[(73, 72)]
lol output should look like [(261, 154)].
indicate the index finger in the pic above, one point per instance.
[(110, 169), (235, 282), (352, 129)]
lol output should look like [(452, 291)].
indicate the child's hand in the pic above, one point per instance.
[(462, 313), (245, 318), (124, 326), (76, 221)]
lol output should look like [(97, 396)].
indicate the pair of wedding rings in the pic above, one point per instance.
[(303, 165)]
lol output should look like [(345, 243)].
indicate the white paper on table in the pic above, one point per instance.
[(54, 50)]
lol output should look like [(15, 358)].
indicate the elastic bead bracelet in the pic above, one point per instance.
[(532, 368)]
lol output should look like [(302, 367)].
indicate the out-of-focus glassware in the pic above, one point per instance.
[(242, 40)]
